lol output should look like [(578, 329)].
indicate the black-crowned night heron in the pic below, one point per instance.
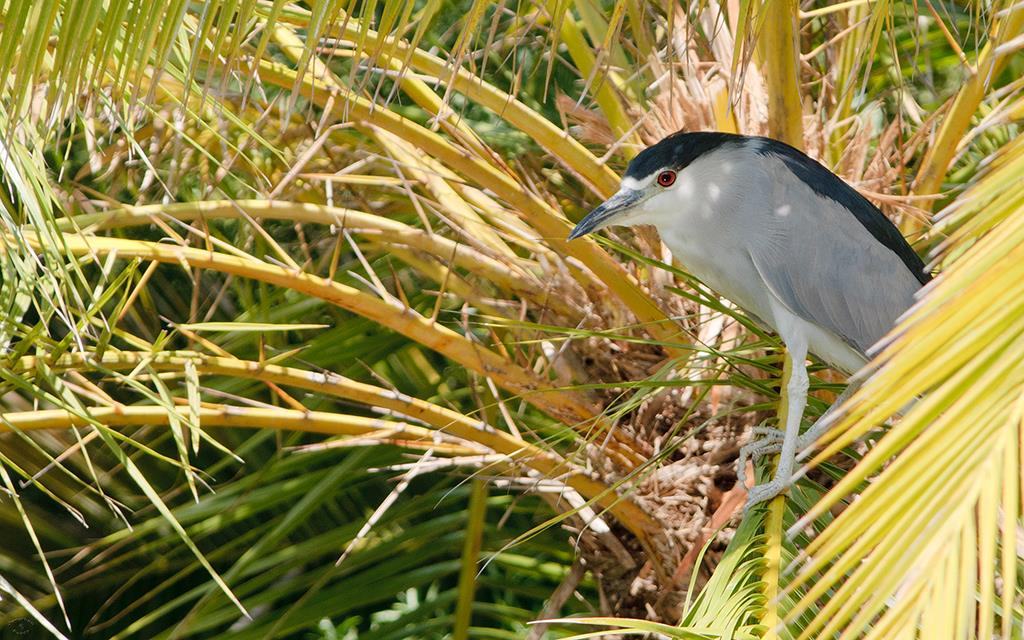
[(787, 241)]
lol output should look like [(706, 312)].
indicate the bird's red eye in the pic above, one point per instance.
[(666, 178)]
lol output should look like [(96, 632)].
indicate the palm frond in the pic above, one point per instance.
[(286, 283)]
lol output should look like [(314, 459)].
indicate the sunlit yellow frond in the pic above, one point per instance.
[(946, 477)]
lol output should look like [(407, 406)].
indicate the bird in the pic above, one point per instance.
[(786, 240)]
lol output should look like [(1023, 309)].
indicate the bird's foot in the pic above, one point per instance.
[(766, 491), (770, 442)]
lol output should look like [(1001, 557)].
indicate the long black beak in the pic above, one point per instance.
[(602, 216)]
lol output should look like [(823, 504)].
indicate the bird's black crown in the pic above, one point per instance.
[(678, 150)]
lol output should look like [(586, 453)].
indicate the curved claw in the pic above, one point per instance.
[(765, 492), (770, 433), (770, 442), (752, 451)]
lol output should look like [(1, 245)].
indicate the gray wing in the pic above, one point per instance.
[(826, 268)]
